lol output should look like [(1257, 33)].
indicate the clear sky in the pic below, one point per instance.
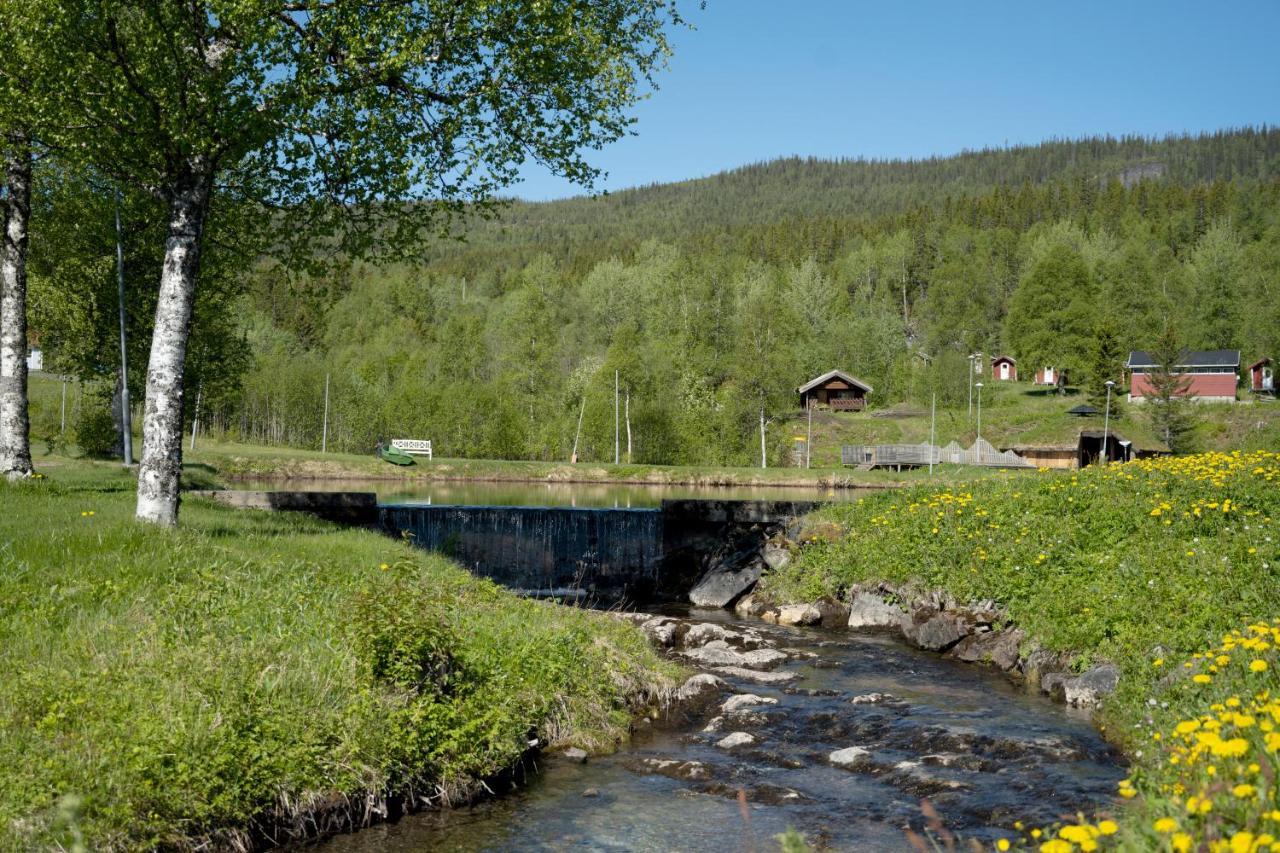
[(760, 79)]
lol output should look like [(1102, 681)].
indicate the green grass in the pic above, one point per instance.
[(1147, 562), (163, 687)]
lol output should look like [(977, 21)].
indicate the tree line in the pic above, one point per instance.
[(710, 335)]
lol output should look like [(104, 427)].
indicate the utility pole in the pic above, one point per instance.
[(933, 426), (808, 440), (324, 429), (63, 427), (979, 387), (617, 448), (126, 416), (195, 420), (582, 410), (1106, 423), (627, 413)]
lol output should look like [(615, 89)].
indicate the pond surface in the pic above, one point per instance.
[(599, 495), (982, 751)]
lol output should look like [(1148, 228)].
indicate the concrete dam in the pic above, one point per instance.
[(597, 555)]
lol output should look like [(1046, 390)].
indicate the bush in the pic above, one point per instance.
[(96, 427)]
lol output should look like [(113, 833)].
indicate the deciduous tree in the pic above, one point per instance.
[(359, 126)]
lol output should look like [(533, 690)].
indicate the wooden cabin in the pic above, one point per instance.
[(1261, 377), (1004, 369), (1211, 375), (835, 390), (1049, 376)]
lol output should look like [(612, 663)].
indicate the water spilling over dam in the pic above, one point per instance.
[(603, 555)]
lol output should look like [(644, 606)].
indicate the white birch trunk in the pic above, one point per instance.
[(161, 464), (15, 421)]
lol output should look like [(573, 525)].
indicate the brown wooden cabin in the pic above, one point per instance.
[(835, 390)]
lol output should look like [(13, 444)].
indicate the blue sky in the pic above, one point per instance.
[(758, 80)]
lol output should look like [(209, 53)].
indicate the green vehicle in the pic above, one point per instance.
[(393, 455)]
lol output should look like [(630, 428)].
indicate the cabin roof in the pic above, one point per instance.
[(1007, 358), (834, 374), (1190, 358), (1260, 362)]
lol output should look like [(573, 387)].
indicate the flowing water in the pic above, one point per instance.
[(981, 750)]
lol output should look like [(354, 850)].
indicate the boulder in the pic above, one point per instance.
[(850, 757), (756, 675), (750, 607), (727, 581), (577, 756), (797, 614), (745, 700), (937, 631), (703, 633), (999, 648), (776, 555), (868, 610), (661, 630), (718, 653), (699, 691), (1089, 688), (735, 740)]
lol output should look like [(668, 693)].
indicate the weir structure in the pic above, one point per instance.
[(599, 556)]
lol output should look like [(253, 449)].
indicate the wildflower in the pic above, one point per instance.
[(1108, 827), (1180, 842), (1158, 662), (1258, 666), (1056, 845), (1243, 791), (1201, 678), (384, 567), (1242, 842), (1165, 825), (1002, 844)]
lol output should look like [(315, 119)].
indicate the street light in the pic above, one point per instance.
[(979, 387), (1106, 422), (973, 369)]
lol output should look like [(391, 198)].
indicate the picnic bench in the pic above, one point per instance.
[(413, 446)]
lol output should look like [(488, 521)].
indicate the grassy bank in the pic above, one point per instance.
[(245, 461), (253, 671), (1151, 565)]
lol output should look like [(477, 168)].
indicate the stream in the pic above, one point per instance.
[(981, 750)]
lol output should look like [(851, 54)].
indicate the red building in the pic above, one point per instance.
[(1050, 376), (1004, 369), (1211, 375)]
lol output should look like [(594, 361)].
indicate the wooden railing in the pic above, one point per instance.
[(852, 404)]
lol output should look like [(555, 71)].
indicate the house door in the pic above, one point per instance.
[(1004, 370)]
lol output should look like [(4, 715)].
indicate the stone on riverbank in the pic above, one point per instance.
[(1088, 689), (868, 610), (727, 581), (699, 691), (850, 758), (745, 700), (718, 653), (735, 740), (756, 675)]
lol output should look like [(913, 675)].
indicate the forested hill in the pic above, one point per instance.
[(765, 194)]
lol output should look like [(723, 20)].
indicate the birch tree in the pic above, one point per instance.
[(360, 127), (15, 204)]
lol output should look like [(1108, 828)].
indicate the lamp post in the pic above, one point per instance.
[(973, 368), (979, 387), (1106, 422)]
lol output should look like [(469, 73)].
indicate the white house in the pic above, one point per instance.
[(35, 359)]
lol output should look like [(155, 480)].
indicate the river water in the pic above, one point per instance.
[(981, 750)]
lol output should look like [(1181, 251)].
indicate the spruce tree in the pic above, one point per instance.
[(1170, 410)]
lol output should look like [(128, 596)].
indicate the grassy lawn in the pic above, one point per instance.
[(1169, 567), (251, 669)]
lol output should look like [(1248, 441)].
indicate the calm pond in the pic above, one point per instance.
[(585, 495), (982, 751)]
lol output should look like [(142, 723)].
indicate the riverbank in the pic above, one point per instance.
[(1149, 566), (256, 676), (254, 462)]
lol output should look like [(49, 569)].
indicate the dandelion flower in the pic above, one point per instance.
[(1165, 825), (1258, 666)]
